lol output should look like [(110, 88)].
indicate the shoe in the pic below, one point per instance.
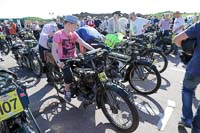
[(184, 124), (68, 96)]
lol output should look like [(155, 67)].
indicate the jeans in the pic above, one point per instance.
[(175, 49), (166, 33), (189, 85), (196, 121)]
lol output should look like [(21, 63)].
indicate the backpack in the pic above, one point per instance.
[(113, 39), (188, 48)]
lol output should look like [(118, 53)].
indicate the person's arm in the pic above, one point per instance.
[(45, 35), (179, 28), (160, 23), (82, 42), (54, 51), (147, 25), (82, 49), (55, 55), (192, 32), (179, 38)]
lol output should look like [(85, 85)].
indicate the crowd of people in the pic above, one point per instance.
[(137, 24), (64, 42), (65, 36)]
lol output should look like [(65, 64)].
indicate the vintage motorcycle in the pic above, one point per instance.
[(15, 114), (91, 85)]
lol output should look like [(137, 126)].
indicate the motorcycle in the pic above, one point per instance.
[(15, 114), (142, 75), (163, 42), (91, 85), (27, 56), (4, 46), (26, 34)]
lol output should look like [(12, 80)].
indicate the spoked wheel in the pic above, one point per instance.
[(144, 78), (120, 111), (4, 47), (36, 66), (158, 59)]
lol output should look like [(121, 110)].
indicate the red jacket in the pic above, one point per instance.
[(90, 23)]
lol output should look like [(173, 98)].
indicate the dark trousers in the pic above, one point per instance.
[(41, 53), (166, 33), (36, 34)]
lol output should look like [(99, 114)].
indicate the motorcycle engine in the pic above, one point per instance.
[(85, 78)]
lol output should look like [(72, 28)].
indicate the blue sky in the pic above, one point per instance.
[(41, 8)]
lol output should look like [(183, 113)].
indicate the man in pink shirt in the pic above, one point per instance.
[(64, 47)]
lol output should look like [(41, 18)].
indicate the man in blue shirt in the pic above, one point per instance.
[(191, 80), (89, 34), (92, 37)]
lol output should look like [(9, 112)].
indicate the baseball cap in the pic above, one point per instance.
[(71, 18)]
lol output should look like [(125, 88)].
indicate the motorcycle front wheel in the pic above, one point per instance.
[(119, 109)]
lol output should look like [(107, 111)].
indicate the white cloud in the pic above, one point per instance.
[(41, 8)]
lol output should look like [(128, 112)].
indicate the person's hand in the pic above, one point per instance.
[(143, 30), (51, 34), (61, 64)]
